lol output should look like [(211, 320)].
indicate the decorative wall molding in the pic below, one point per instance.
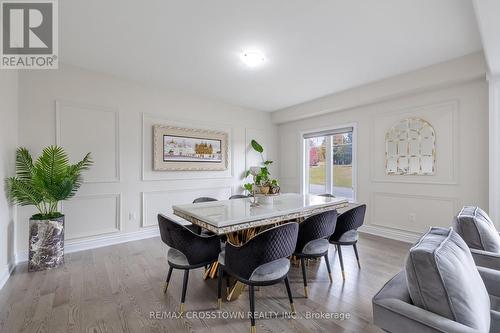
[(455, 142), (391, 195), (186, 175), (399, 235), (144, 194), (118, 219), (99, 241), (59, 106)]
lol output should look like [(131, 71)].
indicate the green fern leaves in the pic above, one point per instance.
[(47, 181)]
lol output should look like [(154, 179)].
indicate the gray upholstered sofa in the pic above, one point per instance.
[(439, 290), (479, 233)]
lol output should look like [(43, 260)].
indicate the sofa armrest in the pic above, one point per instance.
[(486, 259), (394, 312), (394, 315), (491, 279)]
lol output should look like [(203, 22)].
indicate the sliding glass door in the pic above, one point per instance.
[(342, 165), (317, 164), (329, 161)]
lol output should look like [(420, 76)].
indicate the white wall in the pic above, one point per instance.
[(494, 147), (459, 114), (8, 144), (113, 118)]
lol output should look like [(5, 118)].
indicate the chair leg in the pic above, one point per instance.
[(219, 286), (339, 251), (356, 253), (328, 268), (304, 276), (170, 269), (184, 288), (228, 284), (251, 295), (289, 292)]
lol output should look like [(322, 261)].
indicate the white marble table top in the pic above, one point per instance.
[(226, 216)]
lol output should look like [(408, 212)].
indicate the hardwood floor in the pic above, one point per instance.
[(116, 288)]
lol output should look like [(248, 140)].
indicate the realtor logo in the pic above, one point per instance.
[(29, 34)]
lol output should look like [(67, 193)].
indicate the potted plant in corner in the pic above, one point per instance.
[(43, 184)]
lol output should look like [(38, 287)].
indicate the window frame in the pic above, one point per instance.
[(304, 158)]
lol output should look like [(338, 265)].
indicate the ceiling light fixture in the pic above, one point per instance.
[(252, 58)]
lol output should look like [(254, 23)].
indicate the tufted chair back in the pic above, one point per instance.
[(318, 226), (196, 248), (273, 244), (349, 220)]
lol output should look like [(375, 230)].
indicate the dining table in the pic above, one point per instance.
[(241, 219)]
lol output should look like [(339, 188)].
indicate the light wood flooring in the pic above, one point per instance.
[(115, 289)]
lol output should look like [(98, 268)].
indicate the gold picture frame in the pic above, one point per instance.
[(189, 149)]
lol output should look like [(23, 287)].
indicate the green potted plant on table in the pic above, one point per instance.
[(262, 181), (43, 184)]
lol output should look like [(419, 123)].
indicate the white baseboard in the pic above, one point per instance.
[(400, 235), (5, 274), (99, 241)]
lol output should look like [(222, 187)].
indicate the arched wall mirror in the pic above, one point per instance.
[(410, 148)]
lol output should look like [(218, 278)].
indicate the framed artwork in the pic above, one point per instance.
[(189, 149)]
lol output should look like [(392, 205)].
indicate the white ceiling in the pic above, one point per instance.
[(314, 47)]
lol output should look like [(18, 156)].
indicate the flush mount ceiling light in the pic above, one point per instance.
[(252, 58)]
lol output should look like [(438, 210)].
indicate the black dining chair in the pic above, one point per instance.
[(312, 241), (203, 199), (197, 229), (346, 232), (188, 250), (238, 196), (262, 261)]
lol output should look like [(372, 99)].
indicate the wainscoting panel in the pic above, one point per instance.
[(92, 215), (444, 118), (84, 128), (414, 213), (148, 174), (156, 202)]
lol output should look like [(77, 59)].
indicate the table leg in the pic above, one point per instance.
[(211, 271), (207, 272), (236, 291)]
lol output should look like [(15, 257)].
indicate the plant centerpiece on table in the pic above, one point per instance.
[(44, 183), (262, 181)]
